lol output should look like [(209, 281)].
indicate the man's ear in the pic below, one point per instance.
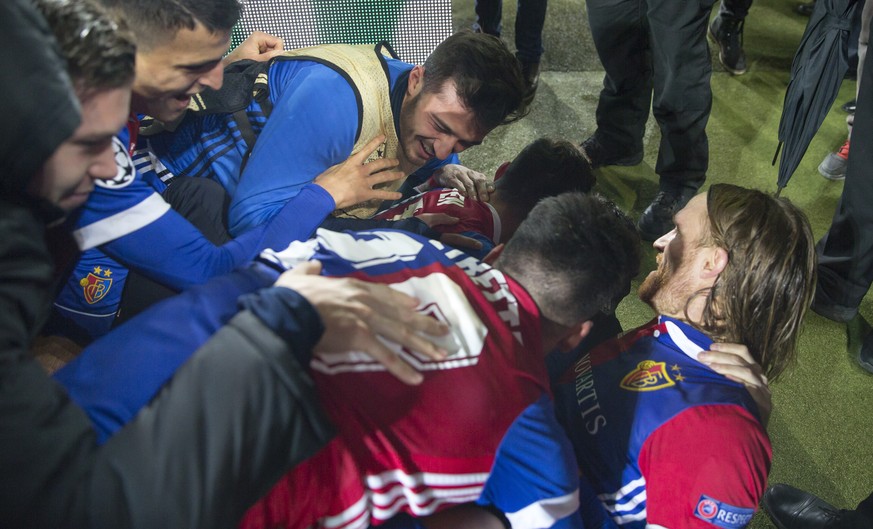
[(716, 262), (577, 333), (494, 254), (416, 81)]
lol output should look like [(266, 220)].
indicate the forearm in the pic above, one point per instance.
[(174, 253), (296, 221)]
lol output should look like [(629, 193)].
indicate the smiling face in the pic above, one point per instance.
[(67, 178), (669, 288), (170, 72), (434, 124)]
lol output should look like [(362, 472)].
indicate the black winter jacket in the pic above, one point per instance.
[(232, 421)]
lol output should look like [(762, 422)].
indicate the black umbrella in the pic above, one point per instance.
[(816, 74)]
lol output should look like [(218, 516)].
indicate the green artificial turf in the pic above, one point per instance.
[(821, 426)]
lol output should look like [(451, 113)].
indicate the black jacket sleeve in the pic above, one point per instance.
[(229, 424)]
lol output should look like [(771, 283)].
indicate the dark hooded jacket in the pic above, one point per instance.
[(233, 420)]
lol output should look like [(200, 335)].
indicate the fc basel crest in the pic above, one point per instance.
[(125, 168), (96, 284), (648, 376)]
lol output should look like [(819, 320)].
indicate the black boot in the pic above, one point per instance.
[(727, 33), (657, 219), (791, 508)]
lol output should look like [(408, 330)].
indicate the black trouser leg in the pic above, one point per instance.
[(621, 36), (682, 95), (488, 15), (529, 21), (845, 253)]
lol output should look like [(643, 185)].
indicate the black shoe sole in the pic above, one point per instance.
[(627, 161)]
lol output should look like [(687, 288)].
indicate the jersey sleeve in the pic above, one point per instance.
[(312, 126), (534, 480), (705, 468), (118, 206), (171, 251), (114, 377)]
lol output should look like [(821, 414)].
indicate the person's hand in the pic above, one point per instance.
[(355, 312), (470, 183), (735, 362), (352, 181), (259, 46)]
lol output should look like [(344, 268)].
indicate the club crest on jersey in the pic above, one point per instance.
[(648, 376), (721, 514), (96, 284), (124, 164)]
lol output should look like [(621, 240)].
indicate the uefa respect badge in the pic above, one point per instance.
[(722, 514)]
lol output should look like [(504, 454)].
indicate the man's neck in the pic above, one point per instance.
[(552, 334), (509, 221), (692, 316)]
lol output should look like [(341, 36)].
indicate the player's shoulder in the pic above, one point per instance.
[(715, 429), (302, 70), (706, 467), (721, 450)]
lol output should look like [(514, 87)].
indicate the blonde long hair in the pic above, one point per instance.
[(762, 295)]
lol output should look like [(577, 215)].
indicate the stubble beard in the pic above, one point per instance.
[(666, 291), (406, 137)]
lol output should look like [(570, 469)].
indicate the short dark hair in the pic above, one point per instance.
[(100, 53), (486, 74), (545, 168), (155, 21), (576, 254)]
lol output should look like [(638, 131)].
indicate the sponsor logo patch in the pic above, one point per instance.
[(648, 376), (722, 514), (96, 284)]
